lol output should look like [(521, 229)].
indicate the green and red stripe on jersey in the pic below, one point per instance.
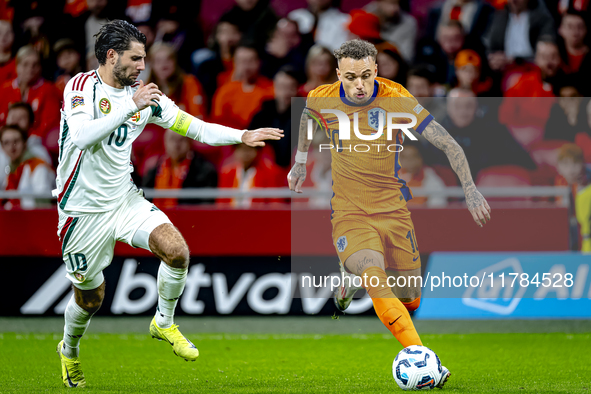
[(65, 194), (67, 231)]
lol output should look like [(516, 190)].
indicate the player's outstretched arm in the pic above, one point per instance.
[(257, 137), (297, 174), (438, 136), (210, 133)]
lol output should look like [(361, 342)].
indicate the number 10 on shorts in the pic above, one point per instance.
[(78, 263)]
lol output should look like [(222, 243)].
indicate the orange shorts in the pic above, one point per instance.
[(392, 234)]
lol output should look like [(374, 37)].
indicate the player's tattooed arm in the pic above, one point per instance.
[(297, 175), (364, 263), (303, 141), (477, 205)]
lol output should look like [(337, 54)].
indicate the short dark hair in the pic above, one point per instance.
[(22, 132), (27, 107), (426, 71), (291, 72), (250, 44), (116, 34), (356, 50), (574, 12)]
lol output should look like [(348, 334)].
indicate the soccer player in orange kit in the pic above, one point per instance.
[(372, 229)]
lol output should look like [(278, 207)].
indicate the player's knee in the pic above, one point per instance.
[(179, 257), (90, 306), (93, 308), (90, 300)]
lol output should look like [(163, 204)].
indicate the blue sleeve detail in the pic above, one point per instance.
[(419, 129)]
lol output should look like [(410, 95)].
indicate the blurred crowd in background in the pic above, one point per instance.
[(509, 79)]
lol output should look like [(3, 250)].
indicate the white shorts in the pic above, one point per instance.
[(88, 239)]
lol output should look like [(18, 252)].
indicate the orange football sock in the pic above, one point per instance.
[(389, 309), (413, 305)]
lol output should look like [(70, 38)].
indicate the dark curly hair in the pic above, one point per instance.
[(356, 50), (116, 34)]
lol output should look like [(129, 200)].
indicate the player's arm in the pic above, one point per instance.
[(187, 125), (86, 131), (438, 136), (297, 174)]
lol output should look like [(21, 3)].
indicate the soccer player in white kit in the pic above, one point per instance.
[(103, 112)]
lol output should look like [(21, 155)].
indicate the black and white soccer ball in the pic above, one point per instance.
[(416, 368)]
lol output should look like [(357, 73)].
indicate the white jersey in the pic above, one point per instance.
[(95, 178)]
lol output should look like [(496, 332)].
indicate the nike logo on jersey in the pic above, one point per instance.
[(415, 259), (392, 322)]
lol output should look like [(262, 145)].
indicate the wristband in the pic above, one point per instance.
[(301, 157)]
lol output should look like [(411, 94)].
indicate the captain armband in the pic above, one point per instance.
[(182, 123)]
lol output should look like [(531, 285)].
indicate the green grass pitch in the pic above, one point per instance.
[(297, 363)]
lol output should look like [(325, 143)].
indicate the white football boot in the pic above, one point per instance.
[(445, 374), (343, 295)]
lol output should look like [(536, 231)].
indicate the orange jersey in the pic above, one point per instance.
[(365, 172)]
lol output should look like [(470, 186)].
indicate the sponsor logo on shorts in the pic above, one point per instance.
[(79, 276), (342, 243), (105, 105)]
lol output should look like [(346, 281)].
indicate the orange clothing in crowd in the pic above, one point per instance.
[(233, 107), (75, 7), (528, 99), (263, 173), (45, 99), (169, 176), (8, 71), (32, 175), (303, 90), (61, 82), (226, 75), (191, 98), (574, 62), (6, 10)]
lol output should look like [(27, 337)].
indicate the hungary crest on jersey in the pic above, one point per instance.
[(105, 106)]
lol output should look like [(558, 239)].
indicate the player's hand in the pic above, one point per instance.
[(477, 206), (146, 96), (256, 137), (296, 177)]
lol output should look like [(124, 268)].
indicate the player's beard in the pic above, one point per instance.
[(120, 75)]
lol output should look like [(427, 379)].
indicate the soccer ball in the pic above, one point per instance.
[(416, 368)]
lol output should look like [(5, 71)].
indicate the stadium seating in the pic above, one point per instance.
[(504, 176), (546, 152), (447, 175), (526, 135), (584, 141)]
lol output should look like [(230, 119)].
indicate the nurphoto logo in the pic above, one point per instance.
[(376, 118)]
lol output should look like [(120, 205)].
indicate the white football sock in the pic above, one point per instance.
[(171, 283), (77, 321)]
